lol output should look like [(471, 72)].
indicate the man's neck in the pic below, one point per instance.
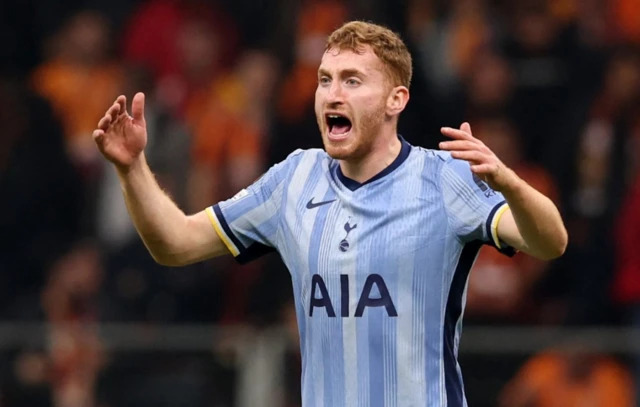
[(384, 152)]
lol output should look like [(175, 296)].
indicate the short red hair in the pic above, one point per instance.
[(387, 45)]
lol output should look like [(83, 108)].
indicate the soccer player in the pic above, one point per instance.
[(378, 235)]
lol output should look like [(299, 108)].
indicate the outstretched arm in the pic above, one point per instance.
[(532, 223), (172, 238)]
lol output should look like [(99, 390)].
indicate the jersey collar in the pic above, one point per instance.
[(353, 185)]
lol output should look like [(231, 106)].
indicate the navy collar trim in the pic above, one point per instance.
[(353, 185)]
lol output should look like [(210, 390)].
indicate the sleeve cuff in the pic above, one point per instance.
[(224, 232), (500, 209), (492, 228), (242, 254)]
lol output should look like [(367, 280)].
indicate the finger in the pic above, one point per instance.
[(466, 127), (98, 135), (104, 123), (464, 145), (482, 169), (122, 101), (137, 107), (456, 134), (458, 145), (114, 111), (472, 155)]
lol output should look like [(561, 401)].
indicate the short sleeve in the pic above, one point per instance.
[(473, 208), (248, 222)]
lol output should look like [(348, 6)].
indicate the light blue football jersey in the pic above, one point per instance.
[(379, 269)]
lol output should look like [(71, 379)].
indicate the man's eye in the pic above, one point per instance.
[(324, 80), (352, 82)]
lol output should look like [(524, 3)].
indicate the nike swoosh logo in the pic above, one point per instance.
[(311, 204)]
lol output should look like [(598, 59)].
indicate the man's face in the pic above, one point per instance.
[(351, 102)]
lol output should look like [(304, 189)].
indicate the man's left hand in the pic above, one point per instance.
[(484, 163)]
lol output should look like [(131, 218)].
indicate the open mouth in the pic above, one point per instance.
[(339, 125)]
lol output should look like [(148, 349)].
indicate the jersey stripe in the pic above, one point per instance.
[(453, 381)]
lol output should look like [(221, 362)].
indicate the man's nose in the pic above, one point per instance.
[(336, 94)]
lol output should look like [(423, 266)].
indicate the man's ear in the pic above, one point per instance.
[(397, 100)]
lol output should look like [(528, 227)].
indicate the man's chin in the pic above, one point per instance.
[(338, 150), (337, 153)]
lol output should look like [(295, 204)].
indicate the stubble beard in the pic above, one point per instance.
[(365, 130)]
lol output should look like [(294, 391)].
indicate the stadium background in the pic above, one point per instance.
[(88, 320)]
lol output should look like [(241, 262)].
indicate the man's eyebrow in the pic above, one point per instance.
[(352, 72), (343, 73)]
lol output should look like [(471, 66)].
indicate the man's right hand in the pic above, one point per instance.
[(121, 137)]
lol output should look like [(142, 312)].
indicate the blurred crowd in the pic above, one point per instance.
[(553, 87)]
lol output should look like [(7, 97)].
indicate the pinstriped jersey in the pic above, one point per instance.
[(379, 269)]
